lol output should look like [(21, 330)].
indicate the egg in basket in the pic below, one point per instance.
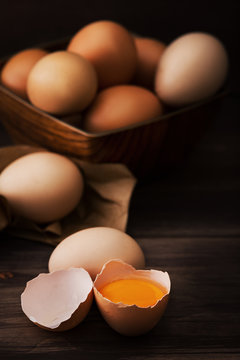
[(106, 95)]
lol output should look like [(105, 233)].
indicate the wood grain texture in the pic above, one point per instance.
[(202, 316)]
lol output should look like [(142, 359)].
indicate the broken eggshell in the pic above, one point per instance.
[(130, 320), (58, 301)]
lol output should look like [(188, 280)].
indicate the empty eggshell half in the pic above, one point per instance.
[(58, 301), (130, 320)]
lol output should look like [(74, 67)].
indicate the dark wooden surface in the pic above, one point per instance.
[(187, 220)]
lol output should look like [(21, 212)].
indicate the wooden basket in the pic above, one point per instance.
[(159, 142)]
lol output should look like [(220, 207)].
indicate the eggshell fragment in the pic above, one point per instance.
[(42, 186), (192, 67), (15, 72), (110, 48), (58, 301), (130, 320), (92, 247)]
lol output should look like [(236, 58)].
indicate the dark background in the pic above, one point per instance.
[(186, 220), (25, 23)]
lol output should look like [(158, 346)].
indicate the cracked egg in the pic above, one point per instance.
[(131, 301)]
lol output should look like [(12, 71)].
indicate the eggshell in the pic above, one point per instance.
[(120, 106), (130, 320), (110, 48), (58, 301), (149, 52), (62, 83), (92, 247), (192, 67), (42, 186), (16, 70)]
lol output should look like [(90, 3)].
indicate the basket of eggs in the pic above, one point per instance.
[(107, 95)]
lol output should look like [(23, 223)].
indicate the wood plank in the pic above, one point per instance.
[(202, 316)]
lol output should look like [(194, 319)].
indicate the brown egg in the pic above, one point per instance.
[(42, 186), (110, 48), (91, 248), (16, 70), (149, 52), (193, 67), (120, 106), (62, 83)]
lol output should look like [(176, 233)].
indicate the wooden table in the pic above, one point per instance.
[(187, 221)]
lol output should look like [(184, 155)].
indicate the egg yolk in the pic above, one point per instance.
[(133, 292)]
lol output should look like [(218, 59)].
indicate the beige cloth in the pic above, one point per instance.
[(108, 190)]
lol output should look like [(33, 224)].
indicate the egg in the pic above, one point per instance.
[(149, 52), (62, 83), (193, 67), (58, 301), (92, 247), (110, 48), (120, 106), (42, 186), (15, 72), (139, 297), (131, 301)]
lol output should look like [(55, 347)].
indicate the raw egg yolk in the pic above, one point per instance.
[(132, 292)]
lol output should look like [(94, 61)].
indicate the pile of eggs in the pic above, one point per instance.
[(114, 78)]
